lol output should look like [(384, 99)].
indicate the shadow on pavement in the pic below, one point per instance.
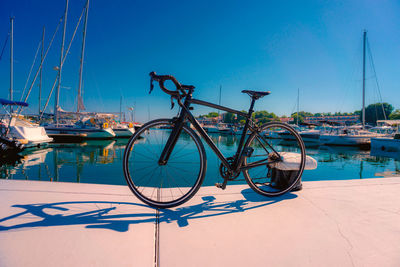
[(118, 216)]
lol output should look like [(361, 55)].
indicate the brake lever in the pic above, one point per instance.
[(151, 85)]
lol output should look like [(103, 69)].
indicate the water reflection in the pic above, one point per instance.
[(101, 162), (62, 162), (225, 140)]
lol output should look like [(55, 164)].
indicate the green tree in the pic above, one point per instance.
[(302, 115), (229, 118), (374, 112), (264, 116), (212, 115), (395, 115)]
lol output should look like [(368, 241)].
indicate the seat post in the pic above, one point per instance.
[(253, 100)]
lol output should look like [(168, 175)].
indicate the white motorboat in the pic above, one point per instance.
[(347, 137), (17, 128), (33, 134)]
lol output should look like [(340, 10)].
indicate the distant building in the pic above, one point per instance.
[(286, 120), (349, 119)]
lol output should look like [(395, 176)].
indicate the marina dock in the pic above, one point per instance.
[(328, 223)]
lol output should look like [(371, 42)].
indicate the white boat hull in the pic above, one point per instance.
[(34, 135), (89, 133), (124, 132)]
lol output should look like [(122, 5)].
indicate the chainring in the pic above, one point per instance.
[(227, 174)]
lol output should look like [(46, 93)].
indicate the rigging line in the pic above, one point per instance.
[(376, 78), (4, 46), (351, 81), (294, 107), (48, 98), (41, 64), (30, 71), (73, 36)]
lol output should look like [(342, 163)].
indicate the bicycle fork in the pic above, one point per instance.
[(172, 139)]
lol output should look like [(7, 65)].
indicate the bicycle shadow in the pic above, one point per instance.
[(118, 216)]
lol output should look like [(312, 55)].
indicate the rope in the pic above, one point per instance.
[(73, 36), (41, 64), (29, 75), (376, 78), (48, 98), (4, 46)]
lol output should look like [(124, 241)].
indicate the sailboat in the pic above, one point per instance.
[(351, 136), (219, 127), (86, 128), (16, 132)]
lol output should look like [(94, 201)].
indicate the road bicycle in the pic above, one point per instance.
[(165, 161)]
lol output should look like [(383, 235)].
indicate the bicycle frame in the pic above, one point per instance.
[(185, 115)]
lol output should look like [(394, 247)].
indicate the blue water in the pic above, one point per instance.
[(100, 162)]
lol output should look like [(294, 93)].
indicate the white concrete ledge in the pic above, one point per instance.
[(328, 223)]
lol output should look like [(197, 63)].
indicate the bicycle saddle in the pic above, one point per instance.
[(256, 94)]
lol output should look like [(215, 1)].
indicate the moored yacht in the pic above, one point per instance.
[(347, 137), (17, 128), (87, 128)]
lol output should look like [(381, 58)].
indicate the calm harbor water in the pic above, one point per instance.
[(100, 162)]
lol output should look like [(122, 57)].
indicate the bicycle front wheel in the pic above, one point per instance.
[(169, 185), (275, 159)]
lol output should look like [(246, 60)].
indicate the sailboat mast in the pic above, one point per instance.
[(120, 109), (363, 79), (41, 69), (219, 101), (11, 58), (298, 101), (57, 95), (82, 57)]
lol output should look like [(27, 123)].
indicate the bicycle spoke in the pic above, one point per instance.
[(270, 179), (173, 180), (163, 184)]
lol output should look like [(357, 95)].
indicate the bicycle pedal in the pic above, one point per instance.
[(220, 185)]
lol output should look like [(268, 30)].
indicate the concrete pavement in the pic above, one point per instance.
[(328, 223)]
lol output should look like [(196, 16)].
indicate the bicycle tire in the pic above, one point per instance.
[(188, 141), (283, 143)]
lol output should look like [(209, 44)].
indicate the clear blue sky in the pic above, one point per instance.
[(274, 45)]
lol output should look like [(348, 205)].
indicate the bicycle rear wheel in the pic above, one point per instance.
[(164, 186), (275, 159)]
